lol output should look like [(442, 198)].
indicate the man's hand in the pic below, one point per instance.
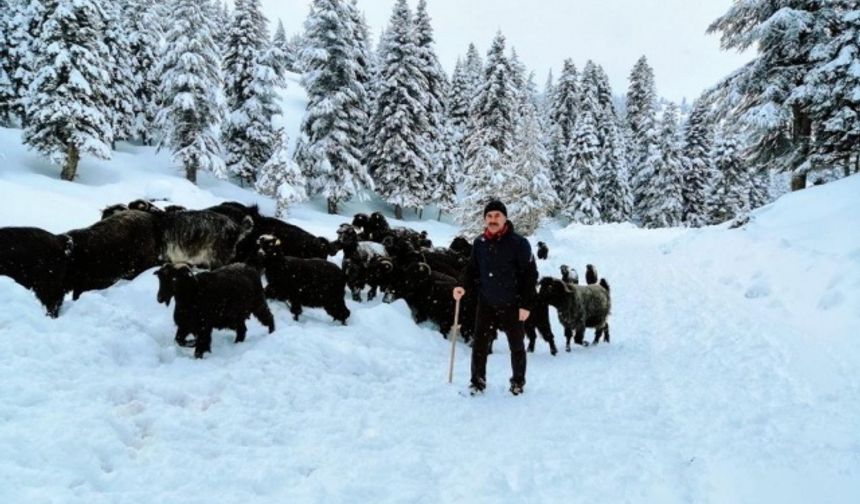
[(524, 314), (458, 293)]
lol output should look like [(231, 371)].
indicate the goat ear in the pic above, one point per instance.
[(278, 242), (424, 269)]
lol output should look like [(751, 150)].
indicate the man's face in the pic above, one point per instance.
[(495, 220)]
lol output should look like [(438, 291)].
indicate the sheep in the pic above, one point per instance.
[(542, 250), (568, 275), (223, 298), (144, 206), (119, 247), (38, 260), (428, 294), (302, 282), (579, 307), (590, 274), (295, 241), (357, 256)]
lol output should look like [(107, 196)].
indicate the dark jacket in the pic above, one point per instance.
[(502, 270)]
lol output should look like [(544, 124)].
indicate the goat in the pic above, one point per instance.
[(223, 298)]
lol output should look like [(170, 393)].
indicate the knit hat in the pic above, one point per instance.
[(497, 206)]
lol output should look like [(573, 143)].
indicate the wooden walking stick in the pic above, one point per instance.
[(455, 332)]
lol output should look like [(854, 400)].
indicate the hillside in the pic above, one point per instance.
[(731, 376)]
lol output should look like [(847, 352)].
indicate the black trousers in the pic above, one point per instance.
[(488, 320)]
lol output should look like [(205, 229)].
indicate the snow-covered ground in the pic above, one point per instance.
[(732, 375)]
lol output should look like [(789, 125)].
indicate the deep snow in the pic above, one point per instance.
[(732, 375)]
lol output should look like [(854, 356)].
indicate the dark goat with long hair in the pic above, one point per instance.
[(38, 260)]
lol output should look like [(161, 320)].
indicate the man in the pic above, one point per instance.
[(502, 270)]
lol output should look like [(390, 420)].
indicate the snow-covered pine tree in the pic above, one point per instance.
[(663, 202), (67, 111), (279, 41), (698, 172), (759, 188), (616, 198), (329, 148), (222, 18), (366, 68), (732, 185), (7, 92), (400, 158), (834, 88), (250, 77), (190, 91), (473, 65), (27, 18), (763, 94), (530, 194), (282, 179), (490, 140), (581, 201), (121, 99), (641, 119), (458, 113), (562, 119), (440, 183), (292, 52), (144, 41)]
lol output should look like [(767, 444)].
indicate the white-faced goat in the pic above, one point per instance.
[(302, 282), (223, 298)]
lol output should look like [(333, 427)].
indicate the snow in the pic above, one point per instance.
[(731, 376)]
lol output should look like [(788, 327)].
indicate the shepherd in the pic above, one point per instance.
[(502, 270)]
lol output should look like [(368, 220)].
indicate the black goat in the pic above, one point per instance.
[(113, 210), (219, 299), (579, 307), (428, 294), (37, 259), (295, 241), (357, 257), (542, 250), (302, 282), (119, 247)]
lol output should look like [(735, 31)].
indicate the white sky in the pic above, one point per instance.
[(614, 33)]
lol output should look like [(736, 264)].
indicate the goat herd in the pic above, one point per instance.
[(235, 245)]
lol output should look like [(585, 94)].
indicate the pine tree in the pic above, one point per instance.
[(399, 156), (663, 202), (279, 41), (733, 184), (616, 198), (766, 95), (365, 71), (329, 148), (250, 80), (494, 106), (67, 111), (833, 87), (641, 111), (698, 167), (562, 119), (439, 188), (121, 99), (144, 41), (27, 18), (581, 202), (532, 196), (281, 179), (759, 193), (7, 91), (458, 113), (474, 68), (190, 90)]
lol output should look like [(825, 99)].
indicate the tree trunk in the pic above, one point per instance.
[(191, 172), (332, 206), (420, 213), (439, 217), (798, 181), (398, 212), (801, 133), (70, 169)]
